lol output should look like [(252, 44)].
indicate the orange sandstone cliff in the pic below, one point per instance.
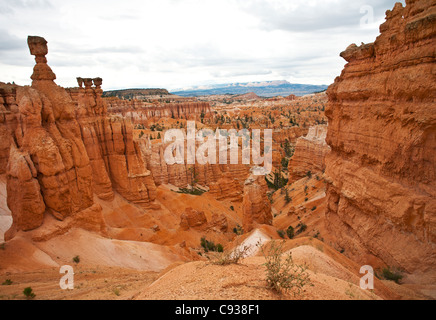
[(310, 152), (381, 172)]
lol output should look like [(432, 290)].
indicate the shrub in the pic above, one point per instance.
[(309, 174), (210, 245), (7, 282), (314, 208), (281, 233), (392, 275), (3, 246), (116, 291), (290, 232), (193, 191), (238, 230), (306, 199), (283, 275), (285, 163), (76, 259), (232, 208), (301, 228), (287, 197), (230, 257), (28, 292)]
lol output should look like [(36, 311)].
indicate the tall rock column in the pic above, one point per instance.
[(256, 207), (310, 152)]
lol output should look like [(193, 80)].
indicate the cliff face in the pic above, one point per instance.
[(138, 111), (381, 172), (310, 152), (256, 208), (59, 147)]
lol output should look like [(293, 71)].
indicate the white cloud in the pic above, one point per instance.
[(173, 44)]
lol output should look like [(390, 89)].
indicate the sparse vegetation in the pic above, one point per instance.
[(301, 227), (76, 259), (285, 163), (314, 208), (193, 191), (309, 174), (283, 275), (281, 233), (287, 197), (232, 208), (238, 230), (116, 292), (390, 274), (290, 232), (3, 246), (28, 293), (7, 282), (230, 257), (210, 245)]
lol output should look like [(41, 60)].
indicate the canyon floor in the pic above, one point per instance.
[(202, 280)]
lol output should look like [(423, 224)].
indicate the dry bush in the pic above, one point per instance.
[(230, 257), (283, 275)]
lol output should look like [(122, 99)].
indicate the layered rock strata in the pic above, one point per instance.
[(256, 208), (59, 147), (381, 172), (310, 152), (139, 111)]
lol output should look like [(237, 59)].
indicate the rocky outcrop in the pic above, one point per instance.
[(310, 152), (227, 188), (381, 172), (182, 175), (219, 223), (256, 208), (193, 219), (59, 147)]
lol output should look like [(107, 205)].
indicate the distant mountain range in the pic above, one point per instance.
[(262, 89)]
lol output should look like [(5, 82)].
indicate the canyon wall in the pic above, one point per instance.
[(381, 172), (139, 111), (310, 152)]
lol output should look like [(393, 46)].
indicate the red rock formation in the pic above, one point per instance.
[(255, 205), (193, 219), (310, 152), (62, 148), (227, 188), (26, 205), (219, 223), (381, 172), (138, 111), (181, 175)]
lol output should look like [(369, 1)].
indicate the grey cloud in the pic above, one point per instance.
[(9, 42), (9, 7), (324, 15)]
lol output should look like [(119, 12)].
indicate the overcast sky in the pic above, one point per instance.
[(180, 43)]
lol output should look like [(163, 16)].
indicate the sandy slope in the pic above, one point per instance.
[(331, 279), (23, 255)]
